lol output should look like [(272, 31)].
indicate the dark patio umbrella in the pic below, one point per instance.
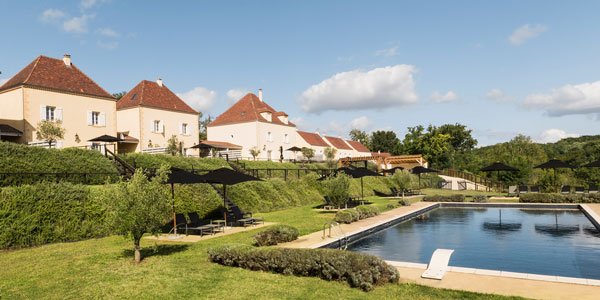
[(182, 177), (554, 164), (358, 173), (106, 139), (421, 170), (226, 177), (294, 149), (497, 167), (392, 170)]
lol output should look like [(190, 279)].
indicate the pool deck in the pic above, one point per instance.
[(475, 280), (194, 238)]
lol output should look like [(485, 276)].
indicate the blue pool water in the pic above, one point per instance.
[(549, 242)]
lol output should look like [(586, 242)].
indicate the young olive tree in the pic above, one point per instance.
[(173, 147), (50, 131), (329, 153), (254, 152), (337, 189), (403, 180), (308, 153), (139, 206)]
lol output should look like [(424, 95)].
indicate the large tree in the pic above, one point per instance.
[(202, 126), (385, 141), (360, 136)]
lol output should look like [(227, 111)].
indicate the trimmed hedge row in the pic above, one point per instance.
[(350, 215), (275, 235), (38, 214), (358, 270), (444, 198), (153, 161), (19, 158), (559, 198)]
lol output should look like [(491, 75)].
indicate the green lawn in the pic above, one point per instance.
[(104, 268)]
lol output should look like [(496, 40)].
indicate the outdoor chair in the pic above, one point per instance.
[(197, 224), (535, 189), (579, 190), (593, 189), (523, 189), (180, 221), (244, 218), (566, 189), (513, 190)]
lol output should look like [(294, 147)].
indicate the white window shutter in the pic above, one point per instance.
[(161, 127), (58, 114), (102, 119), (151, 126), (181, 128), (89, 118), (42, 112)]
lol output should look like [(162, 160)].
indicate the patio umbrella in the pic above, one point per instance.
[(106, 139), (358, 173), (497, 167), (226, 177), (554, 164), (392, 170), (294, 149), (421, 170), (182, 177)]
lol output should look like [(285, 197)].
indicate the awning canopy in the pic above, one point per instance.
[(7, 130), (216, 145), (105, 138)]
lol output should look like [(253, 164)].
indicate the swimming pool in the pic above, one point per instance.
[(548, 242)]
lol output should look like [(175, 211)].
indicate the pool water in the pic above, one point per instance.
[(548, 242)]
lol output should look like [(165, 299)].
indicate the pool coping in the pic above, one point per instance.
[(368, 230)]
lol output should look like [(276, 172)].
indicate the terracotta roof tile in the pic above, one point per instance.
[(221, 145), (313, 139), (53, 74), (338, 143), (150, 94), (358, 146), (248, 109)]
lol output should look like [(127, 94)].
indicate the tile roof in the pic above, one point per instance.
[(338, 143), (313, 139), (150, 94), (358, 146), (220, 145), (248, 109), (53, 74)]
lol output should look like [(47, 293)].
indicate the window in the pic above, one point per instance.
[(286, 138), (95, 118), (184, 130), (156, 126), (269, 137), (50, 115)]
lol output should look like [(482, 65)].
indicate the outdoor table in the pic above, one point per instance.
[(220, 224)]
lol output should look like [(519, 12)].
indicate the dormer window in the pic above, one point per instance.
[(267, 116)]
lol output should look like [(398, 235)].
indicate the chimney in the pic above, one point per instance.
[(260, 97), (67, 59), (159, 82)]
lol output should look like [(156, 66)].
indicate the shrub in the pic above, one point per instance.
[(336, 188), (366, 211), (346, 216), (559, 198), (276, 234), (444, 198), (154, 161), (358, 270), (480, 198), (404, 202), (391, 205), (38, 214)]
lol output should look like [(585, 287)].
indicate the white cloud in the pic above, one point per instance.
[(111, 45), (200, 98), (360, 123), (374, 89), (496, 95), (87, 4), (568, 100), (526, 32), (108, 32), (77, 24), (554, 135), (233, 95), (393, 51), (443, 98), (52, 15)]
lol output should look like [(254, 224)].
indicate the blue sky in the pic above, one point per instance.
[(501, 68)]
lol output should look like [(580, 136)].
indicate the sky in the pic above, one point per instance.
[(501, 68)]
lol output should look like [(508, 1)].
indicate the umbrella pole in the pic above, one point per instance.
[(225, 203), (362, 191), (173, 198)]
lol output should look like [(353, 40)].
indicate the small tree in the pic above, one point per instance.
[(329, 153), (50, 131), (337, 189), (403, 180), (139, 206), (308, 153), (173, 146), (254, 152)]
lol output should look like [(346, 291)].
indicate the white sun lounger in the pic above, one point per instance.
[(438, 265)]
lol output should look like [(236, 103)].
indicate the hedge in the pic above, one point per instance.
[(32, 215), (350, 215), (153, 161), (19, 158), (559, 198), (444, 198), (275, 235), (358, 270)]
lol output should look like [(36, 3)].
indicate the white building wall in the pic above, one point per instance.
[(242, 134)]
